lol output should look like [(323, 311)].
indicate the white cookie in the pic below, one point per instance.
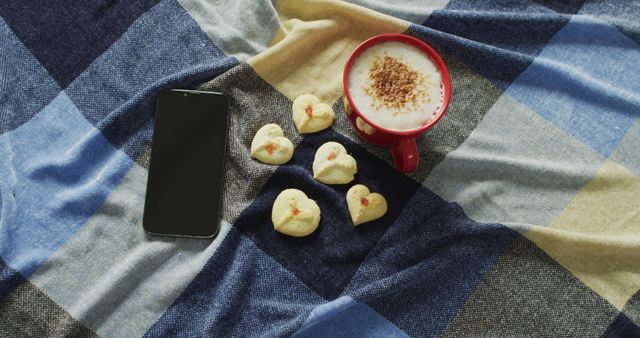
[(365, 206), (270, 146), (332, 164), (295, 214), (310, 116), (364, 126), (347, 106)]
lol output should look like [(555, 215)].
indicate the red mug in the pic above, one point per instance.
[(402, 143)]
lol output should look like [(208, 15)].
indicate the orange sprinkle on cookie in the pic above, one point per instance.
[(270, 148)]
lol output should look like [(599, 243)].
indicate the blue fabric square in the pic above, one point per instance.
[(164, 48), (491, 43), (9, 279), (427, 264), (66, 36), (25, 85), (327, 259), (55, 172), (345, 318), (585, 83), (622, 327), (240, 292)]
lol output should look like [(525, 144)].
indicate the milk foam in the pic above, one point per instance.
[(410, 116)]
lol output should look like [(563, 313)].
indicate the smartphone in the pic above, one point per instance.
[(186, 169)]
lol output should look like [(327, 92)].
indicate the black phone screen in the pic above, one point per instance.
[(186, 170)]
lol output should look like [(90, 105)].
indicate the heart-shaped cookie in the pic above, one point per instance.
[(347, 106), (310, 116), (332, 164), (364, 126), (365, 206), (270, 146), (295, 214)]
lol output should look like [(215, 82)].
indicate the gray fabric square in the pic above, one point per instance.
[(28, 312), (252, 104), (529, 294)]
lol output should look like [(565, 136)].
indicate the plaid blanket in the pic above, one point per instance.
[(523, 218)]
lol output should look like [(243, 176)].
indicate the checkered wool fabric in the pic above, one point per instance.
[(523, 218)]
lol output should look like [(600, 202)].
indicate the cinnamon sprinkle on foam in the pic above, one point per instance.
[(394, 84)]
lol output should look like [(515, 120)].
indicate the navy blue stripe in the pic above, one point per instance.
[(66, 35), (622, 327), (563, 6), (498, 46)]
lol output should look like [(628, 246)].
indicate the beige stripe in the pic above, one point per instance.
[(315, 39)]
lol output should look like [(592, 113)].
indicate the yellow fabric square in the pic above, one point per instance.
[(313, 44), (597, 236)]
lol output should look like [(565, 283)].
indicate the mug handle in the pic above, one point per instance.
[(405, 154)]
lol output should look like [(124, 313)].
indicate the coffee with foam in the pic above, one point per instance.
[(396, 86)]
